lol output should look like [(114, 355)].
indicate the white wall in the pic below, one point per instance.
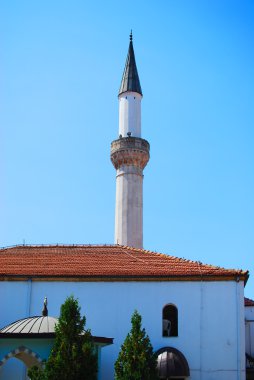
[(249, 330), (211, 318)]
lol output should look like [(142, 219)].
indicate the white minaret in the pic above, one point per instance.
[(129, 155)]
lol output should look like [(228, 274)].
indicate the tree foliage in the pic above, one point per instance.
[(36, 373), (136, 360), (73, 355)]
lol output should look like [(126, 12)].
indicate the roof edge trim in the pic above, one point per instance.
[(188, 278)]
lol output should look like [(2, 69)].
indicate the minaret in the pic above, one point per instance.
[(129, 155)]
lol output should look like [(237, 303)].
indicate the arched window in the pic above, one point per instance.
[(170, 321)]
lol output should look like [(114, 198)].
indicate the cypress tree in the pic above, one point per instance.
[(136, 360), (73, 355)]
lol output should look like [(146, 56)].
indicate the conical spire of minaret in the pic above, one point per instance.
[(130, 79)]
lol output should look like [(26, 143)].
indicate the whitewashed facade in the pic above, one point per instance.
[(210, 317), (249, 338)]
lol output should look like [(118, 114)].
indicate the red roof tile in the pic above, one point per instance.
[(104, 262), (248, 302)]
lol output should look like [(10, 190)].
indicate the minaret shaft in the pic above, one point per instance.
[(129, 207)]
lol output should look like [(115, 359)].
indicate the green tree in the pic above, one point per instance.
[(36, 373), (136, 360), (73, 355)]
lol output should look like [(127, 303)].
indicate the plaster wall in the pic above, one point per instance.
[(130, 114), (211, 318), (14, 368), (249, 330), (129, 206)]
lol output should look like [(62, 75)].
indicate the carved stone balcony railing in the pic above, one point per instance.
[(130, 151)]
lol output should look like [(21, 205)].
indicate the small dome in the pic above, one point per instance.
[(32, 325)]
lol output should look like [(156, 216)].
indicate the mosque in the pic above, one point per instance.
[(195, 314)]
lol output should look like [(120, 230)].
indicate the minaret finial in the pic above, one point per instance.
[(131, 36), (45, 309)]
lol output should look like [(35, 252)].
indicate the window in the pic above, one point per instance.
[(170, 320), (172, 364)]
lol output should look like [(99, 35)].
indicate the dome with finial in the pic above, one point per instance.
[(42, 325)]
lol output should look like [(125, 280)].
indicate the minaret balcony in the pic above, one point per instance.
[(130, 151)]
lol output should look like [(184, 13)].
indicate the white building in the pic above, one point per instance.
[(249, 338), (193, 313)]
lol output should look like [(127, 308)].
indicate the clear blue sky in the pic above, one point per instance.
[(61, 64)]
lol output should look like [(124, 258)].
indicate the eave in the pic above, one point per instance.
[(242, 276)]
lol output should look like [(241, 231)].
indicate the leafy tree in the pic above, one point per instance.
[(73, 355), (136, 360)]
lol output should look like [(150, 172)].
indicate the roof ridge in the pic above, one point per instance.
[(58, 245), (188, 260), (194, 261)]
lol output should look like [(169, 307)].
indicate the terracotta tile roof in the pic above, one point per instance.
[(248, 302), (104, 262)]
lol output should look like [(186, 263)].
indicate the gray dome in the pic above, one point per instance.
[(32, 325)]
